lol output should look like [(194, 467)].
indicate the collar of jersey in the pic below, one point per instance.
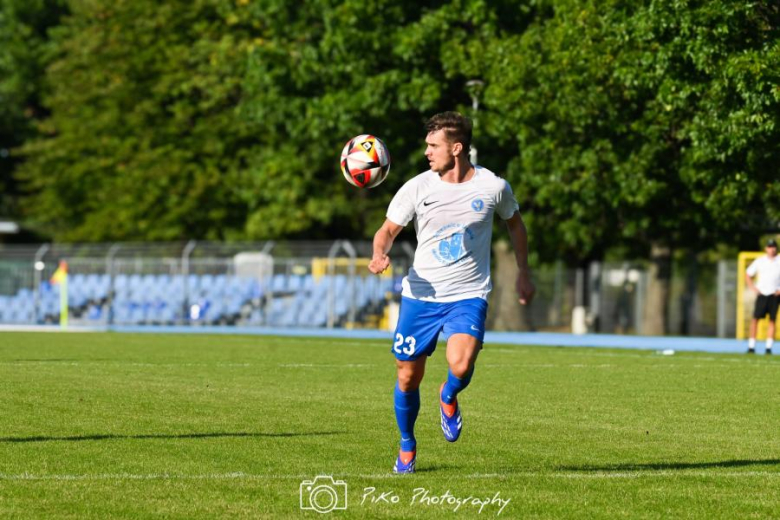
[(456, 184)]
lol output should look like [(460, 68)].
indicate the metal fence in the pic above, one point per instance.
[(326, 284), (278, 284)]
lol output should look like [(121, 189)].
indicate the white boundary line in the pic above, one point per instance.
[(585, 475)]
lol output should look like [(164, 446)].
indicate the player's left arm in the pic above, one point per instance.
[(519, 237)]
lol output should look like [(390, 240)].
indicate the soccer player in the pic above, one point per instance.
[(446, 289), (767, 288)]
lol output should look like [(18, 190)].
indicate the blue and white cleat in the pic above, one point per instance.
[(405, 462), (451, 421)]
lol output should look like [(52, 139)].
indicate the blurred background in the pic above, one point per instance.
[(182, 157)]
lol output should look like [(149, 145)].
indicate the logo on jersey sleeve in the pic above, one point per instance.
[(453, 243), (477, 204)]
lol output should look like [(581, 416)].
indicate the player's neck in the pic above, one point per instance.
[(463, 171)]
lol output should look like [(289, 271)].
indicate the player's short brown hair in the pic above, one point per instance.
[(456, 126)]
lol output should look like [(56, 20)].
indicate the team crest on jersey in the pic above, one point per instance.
[(477, 204), (453, 244)]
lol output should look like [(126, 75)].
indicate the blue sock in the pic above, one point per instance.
[(407, 405), (454, 386)]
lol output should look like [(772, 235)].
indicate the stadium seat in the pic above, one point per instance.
[(295, 283), (94, 313), (279, 283)]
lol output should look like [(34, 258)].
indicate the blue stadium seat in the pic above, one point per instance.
[(279, 283), (94, 313), (122, 312), (206, 282), (148, 281), (256, 317), (193, 283), (121, 281), (134, 280), (103, 285), (137, 314), (233, 285), (295, 283)]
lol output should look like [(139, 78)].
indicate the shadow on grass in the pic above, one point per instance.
[(660, 466), (111, 436)]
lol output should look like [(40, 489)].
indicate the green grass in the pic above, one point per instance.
[(138, 426)]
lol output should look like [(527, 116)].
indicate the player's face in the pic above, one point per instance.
[(771, 251), (439, 152)]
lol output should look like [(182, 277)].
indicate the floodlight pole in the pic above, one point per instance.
[(474, 87), (351, 270), (332, 252), (185, 271), (111, 271)]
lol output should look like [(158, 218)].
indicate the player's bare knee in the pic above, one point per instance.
[(408, 378), (407, 382), (461, 367)]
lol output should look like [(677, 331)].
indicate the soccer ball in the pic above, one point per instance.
[(365, 161)]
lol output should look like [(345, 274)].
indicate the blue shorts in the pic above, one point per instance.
[(420, 323)]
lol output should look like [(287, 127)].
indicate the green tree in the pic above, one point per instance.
[(25, 49), (331, 70), (220, 119), (651, 126), (639, 123), (143, 141)]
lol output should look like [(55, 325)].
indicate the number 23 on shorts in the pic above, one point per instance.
[(408, 349)]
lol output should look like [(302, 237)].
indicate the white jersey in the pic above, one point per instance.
[(454, 225), (768, 272)]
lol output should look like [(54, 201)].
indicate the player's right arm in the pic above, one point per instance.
[(750, 284), (749, 274), (383, 241), (401, 210)]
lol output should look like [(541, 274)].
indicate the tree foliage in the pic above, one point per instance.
[(641, 123), (24, 52), (143, 141), (618, 123)]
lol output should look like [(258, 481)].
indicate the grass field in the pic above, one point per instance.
[(137, 426)]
